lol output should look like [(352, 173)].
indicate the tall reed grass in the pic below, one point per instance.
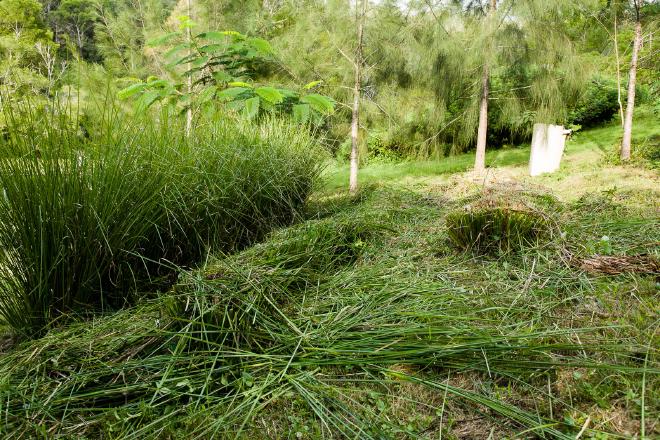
[(87, 217)]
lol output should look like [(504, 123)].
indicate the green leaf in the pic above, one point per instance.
[(212, 35), (252, 107), (158, 41), (131, 90), (159, 83), (287, 93), (312, 84), (239, 84), (233, 34), (222, 77), (320, 103), (231, 93), (219, 36), (148, 98), (207, 94), (185, 22), (261, 45), (269, 94), (200, 61), (210, 48), (301, 113)]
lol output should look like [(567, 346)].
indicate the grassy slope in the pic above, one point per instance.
[(584, 168), (364, 321)]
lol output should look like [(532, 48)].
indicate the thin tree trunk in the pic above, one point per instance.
[(618, 69), (355, 118), (480, 157), (632, 80), (189, 114)]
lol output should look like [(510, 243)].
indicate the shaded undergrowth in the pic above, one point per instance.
[(363, 322)]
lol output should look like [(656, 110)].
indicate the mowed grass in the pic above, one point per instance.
[(586, 166), (365, 322)]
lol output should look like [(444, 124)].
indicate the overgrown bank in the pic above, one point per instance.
[(366, 322), (89, 219)]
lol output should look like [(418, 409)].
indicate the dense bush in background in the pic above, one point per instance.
[(598, 104), (86, 219)]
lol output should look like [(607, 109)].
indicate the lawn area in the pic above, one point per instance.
[(587, 165)]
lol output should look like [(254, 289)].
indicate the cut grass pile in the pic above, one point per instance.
[(364, 322), (87, 221)]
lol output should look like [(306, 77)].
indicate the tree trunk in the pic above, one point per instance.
[(480, 157), (355, 118), (189, 114), (632, 80), (618, 70)]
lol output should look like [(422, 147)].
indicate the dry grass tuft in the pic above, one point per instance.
[(620, 264)]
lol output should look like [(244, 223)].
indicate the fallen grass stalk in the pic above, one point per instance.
[(353, 326)]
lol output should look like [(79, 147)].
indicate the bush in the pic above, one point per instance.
[(645, 153), (598, 104), (87, 221)]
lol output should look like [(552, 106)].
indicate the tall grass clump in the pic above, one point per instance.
[(87, 218), (498, 224)]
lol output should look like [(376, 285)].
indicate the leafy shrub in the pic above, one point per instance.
[(598, 104), (383, 148), (645, 153), (84, 222), (495, 229)]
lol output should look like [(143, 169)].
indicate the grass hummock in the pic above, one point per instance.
[(88, 221)]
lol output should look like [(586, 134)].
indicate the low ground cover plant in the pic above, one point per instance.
[(395, 341)]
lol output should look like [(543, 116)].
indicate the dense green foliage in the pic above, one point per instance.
[(220, 67), (105, 210), (598, 104), (421, 86)]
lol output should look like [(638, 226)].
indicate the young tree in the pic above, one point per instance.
[(225, 66), (360, 12), (22, 34), (632, 81), (480, 157), (76, 19), (189, 82), (500, 74)]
